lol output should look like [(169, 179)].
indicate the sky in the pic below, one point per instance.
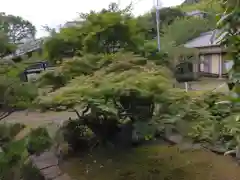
[(56, 12)]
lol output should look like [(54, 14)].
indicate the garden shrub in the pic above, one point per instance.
[(38, 140), (16, 128), (11, 159), (77, 135), (29, 172), (9, 131), (17, 95)]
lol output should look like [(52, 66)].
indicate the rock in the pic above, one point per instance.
[(175, 138)]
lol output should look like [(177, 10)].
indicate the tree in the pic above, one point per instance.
[(16, 28), (230, 24), (168, 15), (106, 31), (5, 47), (185, 29), (66, 43), (147, 22), (108, 85), (110, 32)]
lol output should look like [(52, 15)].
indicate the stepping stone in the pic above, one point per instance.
[(175, 138), (51, 173), (45, 160)]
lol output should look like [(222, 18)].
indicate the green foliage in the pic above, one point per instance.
[(13, 92), (210, 6), (77, 135), (38, 141), (9, 131), (147, 22), (124, 71), (5, 46), (230, 25), (17, 94), (55, 79), (64, 44), (12, 159), (14, 154), (185, 29), (106, 31), (16, 28), (29, 172)]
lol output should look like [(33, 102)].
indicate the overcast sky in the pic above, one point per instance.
[(55, 12)]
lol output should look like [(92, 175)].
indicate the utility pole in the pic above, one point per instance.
[(158, 6)]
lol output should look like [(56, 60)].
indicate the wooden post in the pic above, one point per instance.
[(186, 86), (220, 66)]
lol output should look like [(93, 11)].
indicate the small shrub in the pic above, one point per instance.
[(38, 141), (76, 135), (29, 172), (9, 131), (11, 158), (16, 128)]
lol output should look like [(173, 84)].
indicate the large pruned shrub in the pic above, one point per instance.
[(121, 92)]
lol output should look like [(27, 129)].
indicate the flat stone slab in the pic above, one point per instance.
[(175, 138), (47, 163), (51, 173), (47, 159), (44, 156)]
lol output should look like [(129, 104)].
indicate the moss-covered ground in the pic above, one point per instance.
[(156, 162)]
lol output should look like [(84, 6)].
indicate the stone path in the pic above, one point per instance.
[(47, 163)]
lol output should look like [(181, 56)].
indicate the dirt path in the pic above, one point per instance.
[(38, 118)]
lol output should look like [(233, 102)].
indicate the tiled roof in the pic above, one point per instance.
[(206, 39), (191, 13), (28, 46), (25, 48)]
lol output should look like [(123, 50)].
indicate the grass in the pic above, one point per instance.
[(152, 163)]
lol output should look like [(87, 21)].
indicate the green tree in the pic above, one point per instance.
[(185, 29), (106, 31), (230, 24), (5, 47), (147, 22), (16, 28), (66, 43)]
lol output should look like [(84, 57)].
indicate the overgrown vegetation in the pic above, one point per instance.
[(108, 71), (14, 154)]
